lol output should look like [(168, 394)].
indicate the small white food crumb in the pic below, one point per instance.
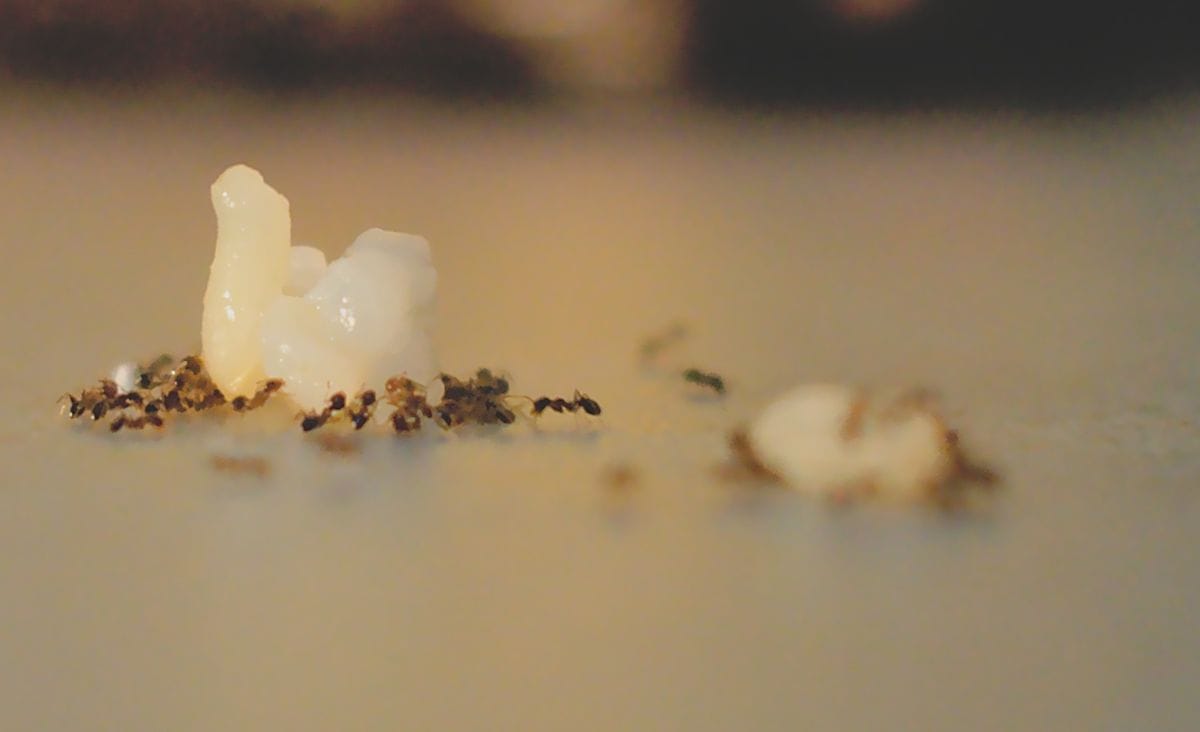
[(847, 442), (125, 376), (274, 310)]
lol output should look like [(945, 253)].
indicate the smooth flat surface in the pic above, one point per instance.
[(1042, 273)]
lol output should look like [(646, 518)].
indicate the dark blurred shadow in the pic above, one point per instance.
[(803, 52), (1017, 52), (419, 47)]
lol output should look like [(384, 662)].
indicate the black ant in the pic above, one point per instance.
[(403, 423), (76, 407), (560, 405), (706, 379), (364, 407), (99, 409), (312, 420)]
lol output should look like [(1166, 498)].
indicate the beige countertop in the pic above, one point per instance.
[(1042, 273)]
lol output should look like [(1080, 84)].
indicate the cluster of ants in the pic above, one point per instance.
[(160, 389), (482, 399), (165, 387)]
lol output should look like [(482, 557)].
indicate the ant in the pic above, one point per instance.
[(705, 379), (95, 401), (172, 402), (193, 386), (260, 397), (159, 389), (192, 364), (153, 374), (490, 385), (312, 420), (403, 423), (408, 398), (558, 404), (363, 409), (480, 400), (129, 398)]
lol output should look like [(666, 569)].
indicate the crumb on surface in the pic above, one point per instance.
[(747, 458), (620, 477), (254, 466), (847, 443), (336, 444)]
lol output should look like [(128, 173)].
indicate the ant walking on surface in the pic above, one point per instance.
[(560, 405)]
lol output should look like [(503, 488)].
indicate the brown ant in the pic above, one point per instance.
[(95, 401), (260, 397), (192, 364), (154, 373), (489, 385), (409, 399), (129, 398), (209, 399), (172, 402), (109, 388), (480, 400), (160, 389)]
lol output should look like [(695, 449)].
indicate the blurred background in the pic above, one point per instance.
[(798, 51)]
